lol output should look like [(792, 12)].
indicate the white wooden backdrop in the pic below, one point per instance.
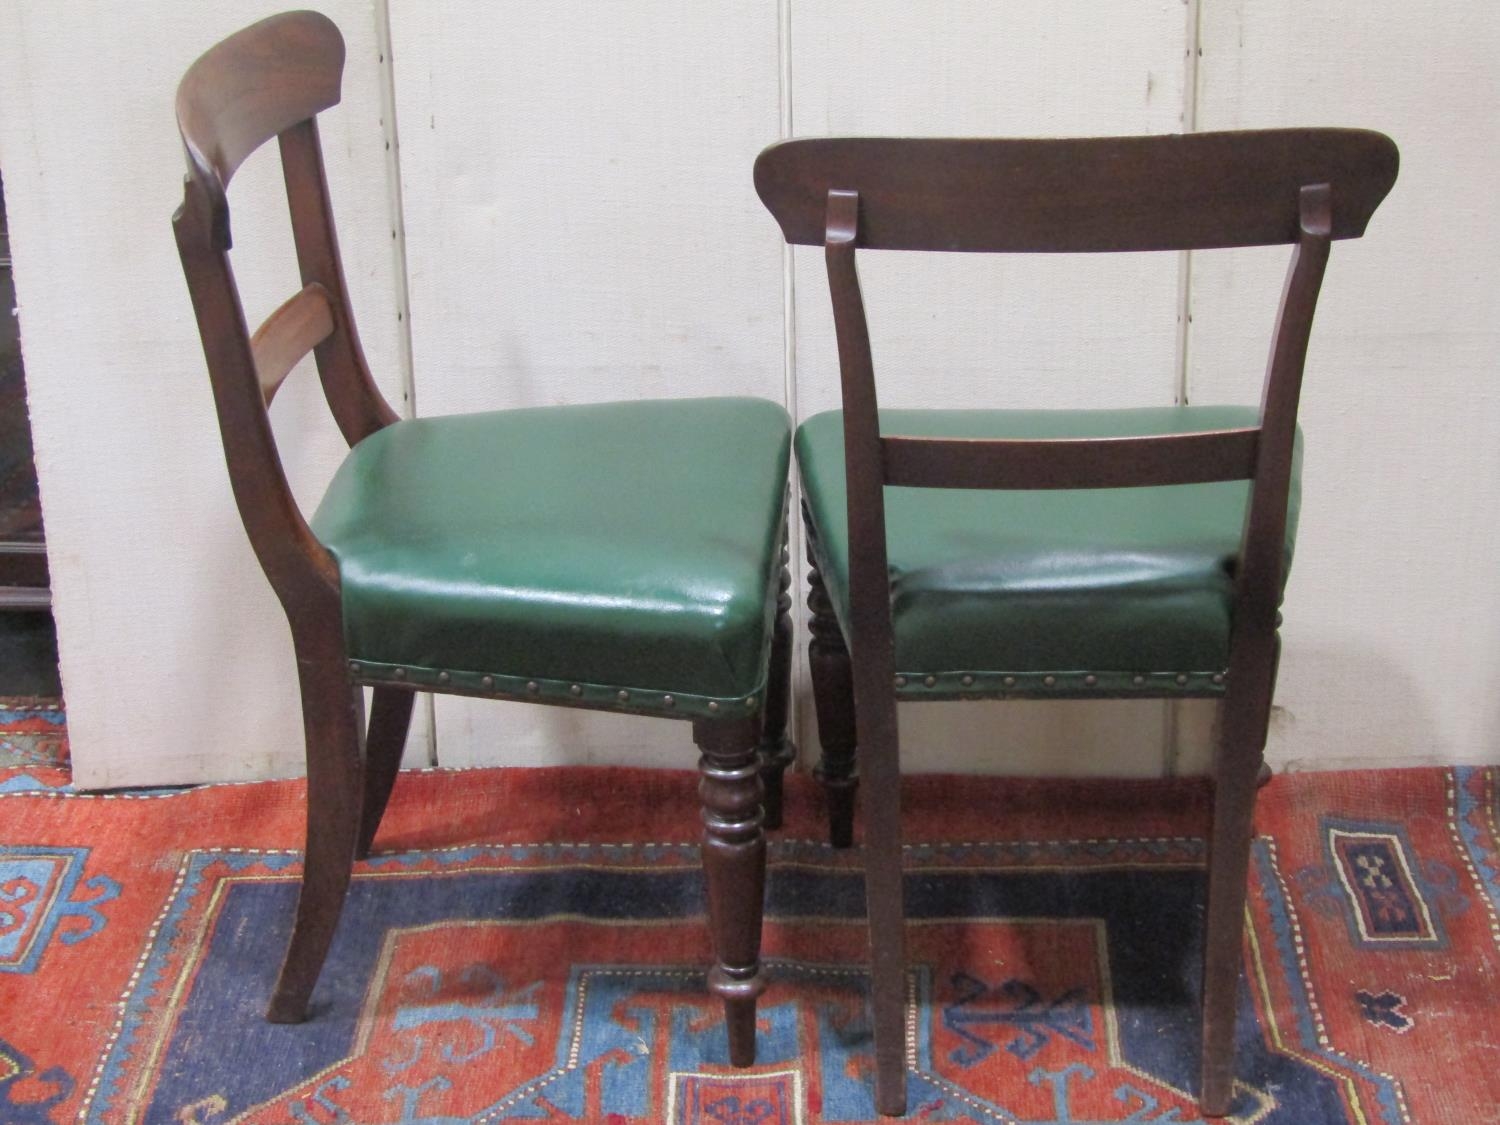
[(552, 203)]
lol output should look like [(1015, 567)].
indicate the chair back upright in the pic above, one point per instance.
[(271, 80)]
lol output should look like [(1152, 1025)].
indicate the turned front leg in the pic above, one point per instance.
[(734, 864), (776, 750)]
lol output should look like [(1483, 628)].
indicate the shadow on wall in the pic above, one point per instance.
[(1490, 726), (1023, 738), (1316, 686)]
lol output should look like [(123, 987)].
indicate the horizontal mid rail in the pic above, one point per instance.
[(1112, 462), (288, 334)]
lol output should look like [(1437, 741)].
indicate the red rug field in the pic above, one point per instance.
[(529, 944)]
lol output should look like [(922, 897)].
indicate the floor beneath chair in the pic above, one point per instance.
[(530, 944)]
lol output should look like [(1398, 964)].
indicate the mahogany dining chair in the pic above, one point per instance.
[(1067, 554), (625, 557)]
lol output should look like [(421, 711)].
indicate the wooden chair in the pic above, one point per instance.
[(623, 557), (1045, 587)]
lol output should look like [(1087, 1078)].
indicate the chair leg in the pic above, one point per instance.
[(330, 712), (734, 865), (385, 739), (1243, 720), (776, 749), (833, 696), (885, 905)]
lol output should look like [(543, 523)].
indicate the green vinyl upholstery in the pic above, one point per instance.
[(1068, 592), (617, 552)]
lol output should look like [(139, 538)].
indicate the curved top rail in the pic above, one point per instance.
[(1170, 192), (249, 88)]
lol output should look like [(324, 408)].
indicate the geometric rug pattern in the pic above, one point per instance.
[(529, 945), (33, 732)]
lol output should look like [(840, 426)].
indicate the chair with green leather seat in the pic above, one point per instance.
[(1056, 554), (625, 557)]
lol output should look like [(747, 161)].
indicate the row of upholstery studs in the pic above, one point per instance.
[(534, 688), (1050, 681)]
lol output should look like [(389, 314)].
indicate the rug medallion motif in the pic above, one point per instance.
[(554, 972), (584, 1000)]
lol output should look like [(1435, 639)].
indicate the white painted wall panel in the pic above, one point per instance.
[(1392, 636), (176, 660), (952, 330), (581, 226)]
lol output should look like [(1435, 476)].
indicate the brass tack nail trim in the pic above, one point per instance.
[(930, 681), (443, 677), (1091, 680), (712, 706), (1049, 680), (1137, 680), (1010, 681), (1218, 677), (354, 667), (668, 701), (622, 695), (1182, 677), (533, 687), (399, 673), (576, 689), (750, 702), (968, 681), (487, 681), (900, 681)]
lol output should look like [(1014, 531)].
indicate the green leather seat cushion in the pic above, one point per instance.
[(1115, 583), (630, 546)]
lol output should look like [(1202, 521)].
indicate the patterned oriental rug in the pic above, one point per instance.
[(33, 732), (529, 944)]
